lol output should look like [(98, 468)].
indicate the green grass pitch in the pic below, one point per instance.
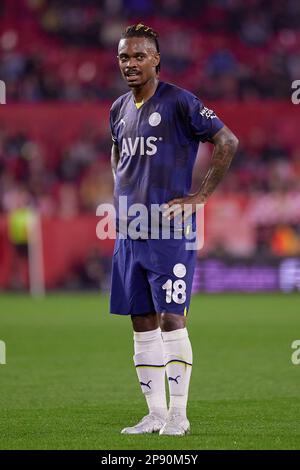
[(69, 381)]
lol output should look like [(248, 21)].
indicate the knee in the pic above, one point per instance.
[(171, 321), (144, 322)]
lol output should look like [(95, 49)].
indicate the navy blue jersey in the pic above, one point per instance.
[(158, 144)]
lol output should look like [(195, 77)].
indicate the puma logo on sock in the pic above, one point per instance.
[(147, 384), (174, 380)]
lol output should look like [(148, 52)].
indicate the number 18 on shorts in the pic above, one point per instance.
[(151, 276)]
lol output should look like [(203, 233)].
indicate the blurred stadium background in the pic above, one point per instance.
[(58, 61)]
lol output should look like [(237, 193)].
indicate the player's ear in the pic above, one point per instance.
[(156, 59)]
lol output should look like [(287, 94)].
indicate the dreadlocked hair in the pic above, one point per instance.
[(140, 30)]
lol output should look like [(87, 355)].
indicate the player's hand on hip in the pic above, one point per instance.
[(184, 206)]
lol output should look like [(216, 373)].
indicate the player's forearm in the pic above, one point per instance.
[(226, 145), (115, 157)]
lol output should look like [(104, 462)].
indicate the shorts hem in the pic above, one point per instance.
[(132, 313), (164, 310)]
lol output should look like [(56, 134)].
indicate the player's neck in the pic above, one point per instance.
[(143, 93)]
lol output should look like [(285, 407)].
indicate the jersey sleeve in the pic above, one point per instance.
[(112, 129), (202, 122)]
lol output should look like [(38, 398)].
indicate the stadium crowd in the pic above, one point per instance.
[(75, 179), (82, 168), (229, 49)]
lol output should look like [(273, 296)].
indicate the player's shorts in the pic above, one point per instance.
[(151, 276)]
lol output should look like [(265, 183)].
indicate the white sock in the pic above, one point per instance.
[(178, 360), (150, 367)]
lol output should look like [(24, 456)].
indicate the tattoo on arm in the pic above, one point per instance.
[(225, 147)]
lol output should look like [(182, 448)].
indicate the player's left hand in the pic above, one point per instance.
[(184, 206)]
